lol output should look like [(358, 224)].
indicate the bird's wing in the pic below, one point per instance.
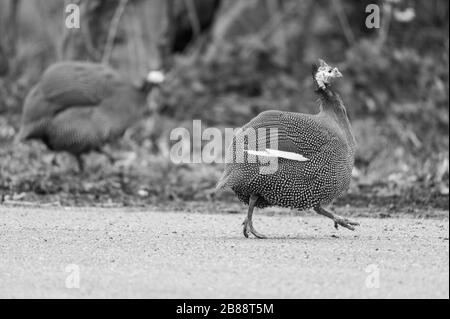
[(76, 130), (281, 134), (69, 84)]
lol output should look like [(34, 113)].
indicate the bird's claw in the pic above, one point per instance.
[(344, 222), (248, 228), (245, 229)]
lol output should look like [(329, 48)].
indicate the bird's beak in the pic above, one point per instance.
[(337, 73)]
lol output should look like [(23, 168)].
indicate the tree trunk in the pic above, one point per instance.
[(135, 34)]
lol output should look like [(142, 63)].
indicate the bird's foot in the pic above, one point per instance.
[(54, 161), (111, 159), (248, 228), (344, 222)]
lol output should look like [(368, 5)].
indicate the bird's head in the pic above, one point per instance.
[(153, 79), (323, 74)]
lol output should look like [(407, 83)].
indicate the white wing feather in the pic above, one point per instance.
[(280, 154)]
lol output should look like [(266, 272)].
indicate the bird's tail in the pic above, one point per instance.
[(222, 182), (30, 131)]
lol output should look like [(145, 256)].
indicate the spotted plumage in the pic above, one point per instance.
[(78, 107), (325, 141)]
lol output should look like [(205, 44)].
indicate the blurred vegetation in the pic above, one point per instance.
[(229, 61)]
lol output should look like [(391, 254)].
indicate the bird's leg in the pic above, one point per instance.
[(111, 158), (55, 160), (338, 220), (80, 163), (248, 223)]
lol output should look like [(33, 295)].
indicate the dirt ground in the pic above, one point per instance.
[(80, 252)]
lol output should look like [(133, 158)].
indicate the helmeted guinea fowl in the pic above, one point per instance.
[(314, 156), (78, 107)]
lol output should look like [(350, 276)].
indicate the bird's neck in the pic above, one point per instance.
[(331, 105), (146, 87)]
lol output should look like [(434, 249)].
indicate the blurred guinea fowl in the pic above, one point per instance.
[(78, 107), (314, 154)]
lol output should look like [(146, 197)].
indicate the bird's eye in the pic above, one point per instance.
[(329, 71)]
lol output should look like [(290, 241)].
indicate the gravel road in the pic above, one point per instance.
[(71, 253)]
